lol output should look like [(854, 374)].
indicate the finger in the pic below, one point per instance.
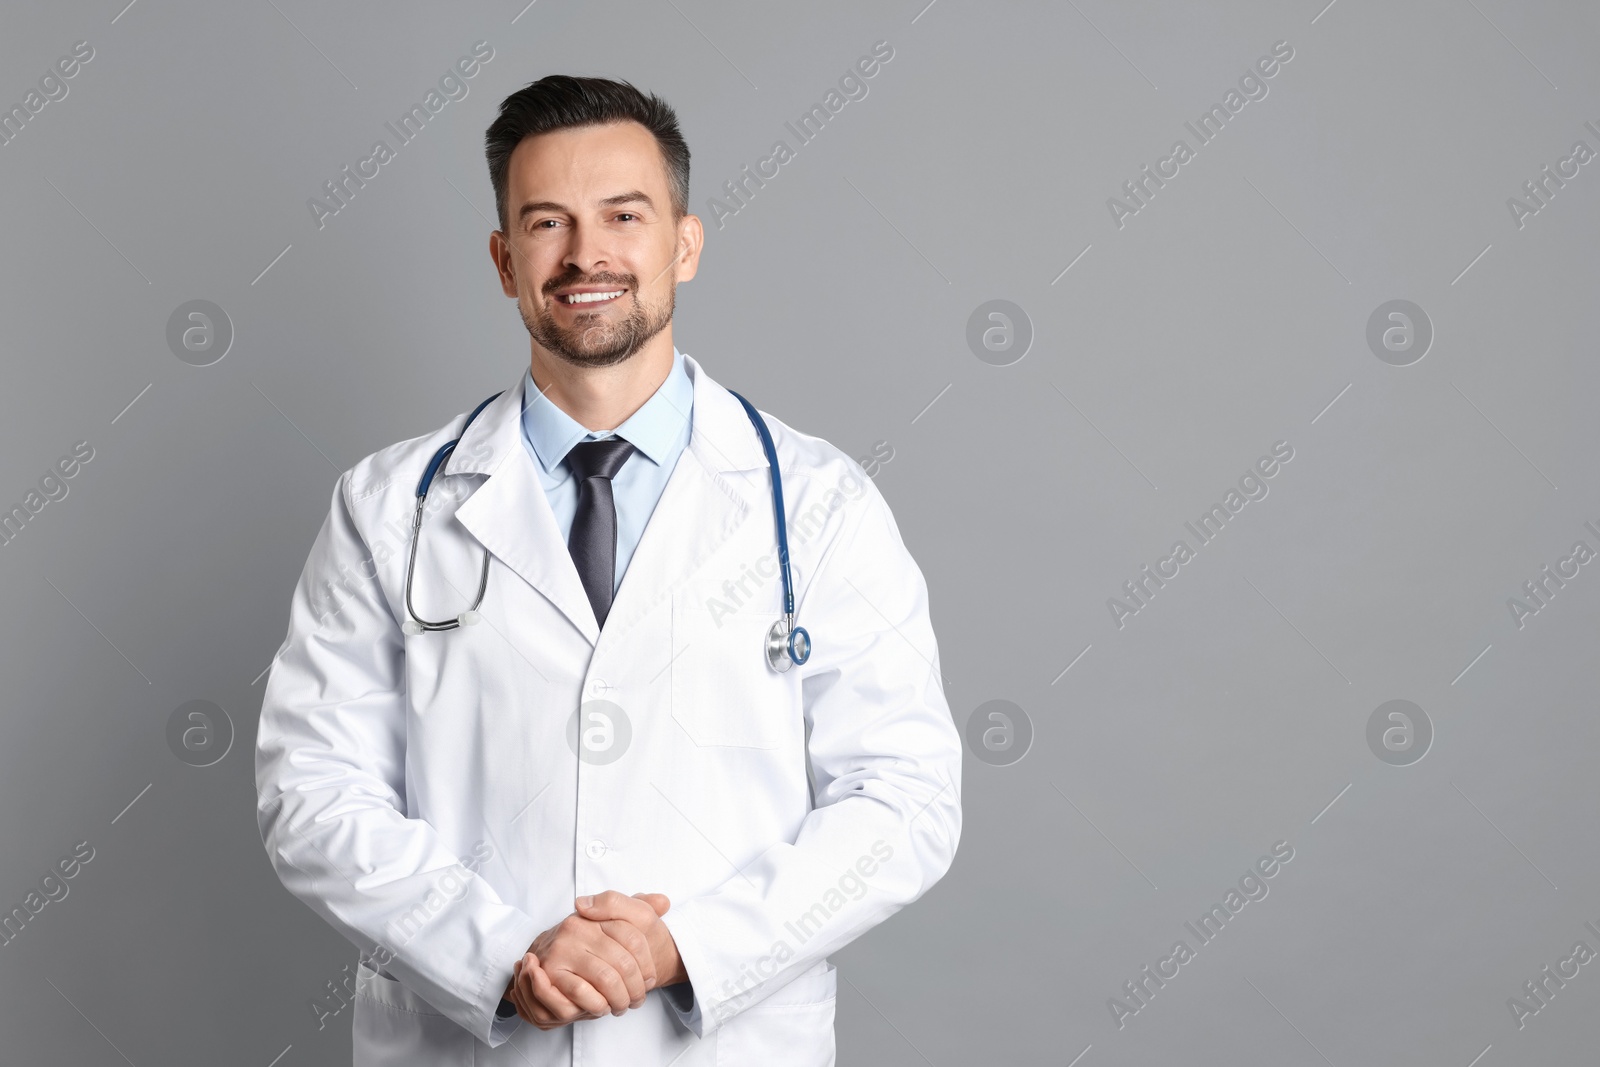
[(549, 1005), (631, 938), (636, 943), (516, 970), (613, 905), (582, 947), (587, 989), (549, 996), (645, 964), (613, 971), (518, 997), (636, 962), (531, 1011), (524, 994), (640, 914), (658, 901), (545, 1003)]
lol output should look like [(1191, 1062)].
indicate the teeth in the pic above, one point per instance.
[(589, 298)]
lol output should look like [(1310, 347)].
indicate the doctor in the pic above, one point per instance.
[(553, 786)]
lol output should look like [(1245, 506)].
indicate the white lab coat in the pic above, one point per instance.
[(425, 794)]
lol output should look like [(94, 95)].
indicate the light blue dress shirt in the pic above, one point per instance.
[(659, 432)]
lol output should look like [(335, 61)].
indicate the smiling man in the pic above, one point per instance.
[(571, 672)]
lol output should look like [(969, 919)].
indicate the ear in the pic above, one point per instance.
[(505, 258), (691, 239)]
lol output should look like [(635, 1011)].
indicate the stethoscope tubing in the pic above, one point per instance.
[(787, 644)]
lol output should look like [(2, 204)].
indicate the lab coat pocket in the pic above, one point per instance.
[(723, 690), (791, 1028), (393, 1027)]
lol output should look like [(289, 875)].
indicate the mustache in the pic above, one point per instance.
[(621, 281)]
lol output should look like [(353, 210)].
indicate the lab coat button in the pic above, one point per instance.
[(596, 849), (598, 686)]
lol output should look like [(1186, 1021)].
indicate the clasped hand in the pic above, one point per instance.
[(601, 959)]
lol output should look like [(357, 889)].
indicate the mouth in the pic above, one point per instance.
[(589, 298)]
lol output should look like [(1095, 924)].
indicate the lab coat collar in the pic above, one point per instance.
[(720, 433), (510, 514), (654, 430)]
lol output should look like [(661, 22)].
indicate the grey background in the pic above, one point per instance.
[(1230, 313)]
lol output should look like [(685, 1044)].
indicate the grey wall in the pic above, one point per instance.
[(1171, 348)]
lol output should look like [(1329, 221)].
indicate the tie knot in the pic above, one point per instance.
[(598, 459)]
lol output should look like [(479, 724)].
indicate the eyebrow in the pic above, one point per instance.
[(633, 197)]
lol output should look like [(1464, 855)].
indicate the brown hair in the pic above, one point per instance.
[(561, 101)]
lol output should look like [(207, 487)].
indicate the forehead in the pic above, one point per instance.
[(586, 163)]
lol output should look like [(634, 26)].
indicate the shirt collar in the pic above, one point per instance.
[(658, 424)]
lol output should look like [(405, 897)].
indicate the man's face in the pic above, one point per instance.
[(592, 253)]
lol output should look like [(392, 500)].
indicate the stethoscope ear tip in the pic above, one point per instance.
[(410, 628), (468, 618)]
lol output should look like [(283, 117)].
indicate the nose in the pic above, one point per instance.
[(587, 251)]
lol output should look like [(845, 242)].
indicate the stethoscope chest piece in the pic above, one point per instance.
[(787, 645)]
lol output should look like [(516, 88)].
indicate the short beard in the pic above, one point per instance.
[(600, 345)]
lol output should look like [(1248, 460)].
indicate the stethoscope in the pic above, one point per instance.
[(787, 644)]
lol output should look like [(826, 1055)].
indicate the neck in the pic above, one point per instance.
[(602, 398)]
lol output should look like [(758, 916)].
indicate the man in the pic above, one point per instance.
[(593, 806)]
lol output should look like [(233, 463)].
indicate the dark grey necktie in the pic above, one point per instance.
[(593, 540)]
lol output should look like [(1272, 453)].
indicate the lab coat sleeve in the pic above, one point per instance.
[(885, 759), (331, 795), (681, 999)]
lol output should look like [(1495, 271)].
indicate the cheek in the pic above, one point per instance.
[(655, 285), (533, 262), (530, 284)]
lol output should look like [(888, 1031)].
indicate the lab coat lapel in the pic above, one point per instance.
[(698, 511), (510, 514)]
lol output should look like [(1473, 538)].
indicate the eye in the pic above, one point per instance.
[(627, 215)]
